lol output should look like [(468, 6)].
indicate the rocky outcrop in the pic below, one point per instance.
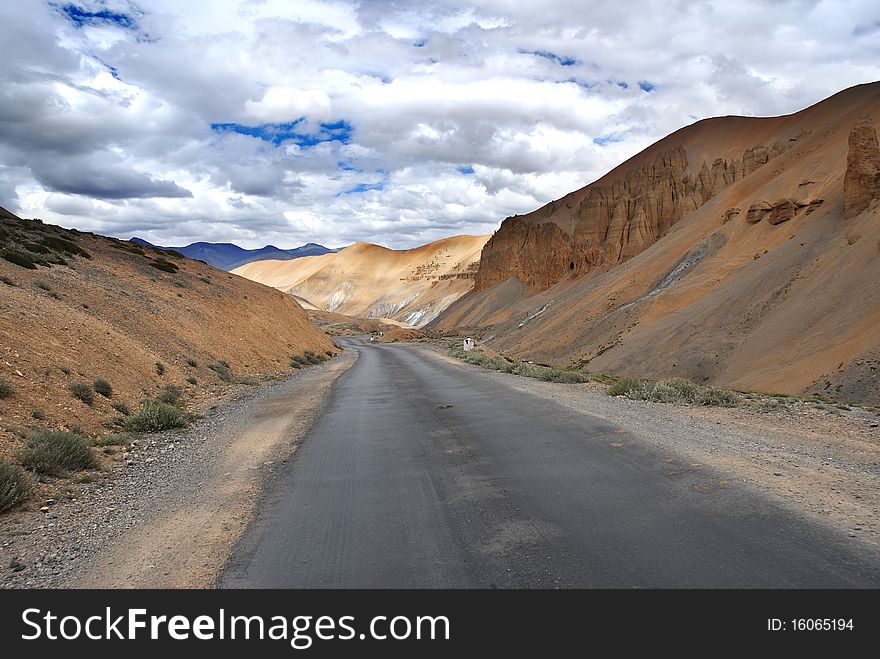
[(609, 223), (783, 211), (536, 254), (758, 211), (779, 211), (861, 184)]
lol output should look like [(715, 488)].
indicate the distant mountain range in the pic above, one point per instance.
[(227, 256)]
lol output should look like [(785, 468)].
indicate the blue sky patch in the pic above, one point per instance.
[(338, 131), (604, 140), (364, 187), (562, 60), (111, 69), (466, 170), (581, 83), (82, 17), (646, 86)]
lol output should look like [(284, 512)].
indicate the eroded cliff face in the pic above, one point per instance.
[(612, 222), (861, 184)]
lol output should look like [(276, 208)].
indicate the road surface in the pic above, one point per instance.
[(426, 473)]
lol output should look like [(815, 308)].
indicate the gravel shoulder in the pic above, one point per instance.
[(825, 465), (168, 516)]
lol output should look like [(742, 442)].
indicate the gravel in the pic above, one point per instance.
[(51, 545)]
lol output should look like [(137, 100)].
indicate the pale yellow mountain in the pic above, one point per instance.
[(409, 286), (737, 251)]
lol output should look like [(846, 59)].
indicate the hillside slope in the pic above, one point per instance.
[(738, 251), (227, 256), (111, 309), (410, 286)]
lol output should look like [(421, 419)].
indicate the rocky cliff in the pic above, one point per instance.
[(861, 184), (611, 222), (764, 286)]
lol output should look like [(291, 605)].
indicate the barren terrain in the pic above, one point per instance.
[(736, 251), (408, 286), (169, 514)]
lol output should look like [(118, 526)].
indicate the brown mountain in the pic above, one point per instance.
[(410, 286), (75, 307), (738, 251)]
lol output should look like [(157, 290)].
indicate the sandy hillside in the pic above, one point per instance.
[(108, 312), (410, 286), (738, 251)]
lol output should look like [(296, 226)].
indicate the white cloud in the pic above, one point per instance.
[(395, 122)]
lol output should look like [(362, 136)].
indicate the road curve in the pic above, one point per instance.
[(425, 473)]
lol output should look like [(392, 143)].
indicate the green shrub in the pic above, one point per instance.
[(298, 360), (567, 377), (192, 362), (160, 368), (82, 391), (718, 397), (103, 387), (204, 279), (623, 386), (121, 407), (221, 368), (674, 390), (329, 353), (38, 414), (657, 392), (55, 452), (311, 357), (113, 439), (688, 390), (6, 280), (170, 395), (62, 245), (14, 485), (19, 258), (5, 389), (157, 416), (525, 369), (192, 380)]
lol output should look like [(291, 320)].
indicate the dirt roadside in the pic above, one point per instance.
[(822, 464), (171, 516)]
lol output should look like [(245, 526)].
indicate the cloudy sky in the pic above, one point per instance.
[(289, 121)]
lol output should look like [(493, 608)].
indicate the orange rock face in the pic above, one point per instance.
[(861, 184), (757, 211), (611, 223)]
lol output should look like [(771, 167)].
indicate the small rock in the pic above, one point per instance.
[(777, 473)]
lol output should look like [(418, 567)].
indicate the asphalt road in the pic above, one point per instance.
[(424, 473)]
